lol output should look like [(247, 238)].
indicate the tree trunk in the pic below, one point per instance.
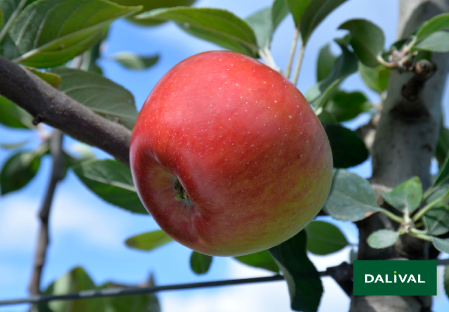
[(404, 145)]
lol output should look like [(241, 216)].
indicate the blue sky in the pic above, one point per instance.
[(88, 232)]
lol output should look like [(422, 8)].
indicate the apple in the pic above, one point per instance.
[(149, 5), (228, 156)]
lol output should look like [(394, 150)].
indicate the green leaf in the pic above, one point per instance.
[(264, 22), (437, 23), (10, 146), (218, 26), (436, 42), (303, 280), (74, 281), (49, 77), (346, 106), (326, 61), (348, 149), (148, 241), (441, 244), (382, 239), (407, 195), (437, 220), (446, 280), (443, 174), (136, 62), (315, 12), (9, 9), (376, 78), (345, 65), (442, 146), (324, 238), (351, 197), (261, 259), (13, 116), (367, 40), (18, 170), (49, 33), (1, 19), (100, 94), (297, 8), (111, 181), (200, 263), (146, 302)]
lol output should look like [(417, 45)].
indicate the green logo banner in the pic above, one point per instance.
[(395, 278)]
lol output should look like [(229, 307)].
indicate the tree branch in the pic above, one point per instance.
[(48, 105), (56, 175)]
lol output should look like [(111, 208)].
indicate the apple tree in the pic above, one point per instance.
[(51, 84)]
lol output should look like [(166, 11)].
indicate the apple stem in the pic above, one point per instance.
[(292, 53), (298, 63)]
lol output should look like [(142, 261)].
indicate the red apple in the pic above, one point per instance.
[(228, 156)]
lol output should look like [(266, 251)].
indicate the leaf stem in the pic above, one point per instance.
[(292, 53), (385, 63), (391, 215), (420, 235), (429, 206), (11, 20), (299, 62)]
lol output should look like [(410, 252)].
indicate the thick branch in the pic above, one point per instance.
[(56, 175), (48, 105)]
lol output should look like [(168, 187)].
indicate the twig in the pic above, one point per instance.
[(44, 214), (58, 110), (299, 63), (292, 53)]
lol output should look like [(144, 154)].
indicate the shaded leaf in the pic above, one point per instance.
[(346, 106), (376, 78), (297, 8), (437, 220), (74, 281), (200, 263), (325, 62), (436, 42), (13, 116), (367, 40), (443, 174), (218, 26), (315, 12), (100, 94), (324, 238), (134, 61), (407, 195), (134, 303), (382, 239), (446, 280), (11, 8), (348, 148), (303, 280), (264, 22), (49, 77), (345, 65), (148, 241), (18, 170), (351, 197), (111, 181), (261, 259), (441, 244), (442, 148), (52, 32), (437, 23)]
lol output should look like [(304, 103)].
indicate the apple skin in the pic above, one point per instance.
[(246, 147), (149, 5)]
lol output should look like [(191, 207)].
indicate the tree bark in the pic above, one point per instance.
[(404, 145), (49, 105)]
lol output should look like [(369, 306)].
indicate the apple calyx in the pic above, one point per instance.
[(181, 194)]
